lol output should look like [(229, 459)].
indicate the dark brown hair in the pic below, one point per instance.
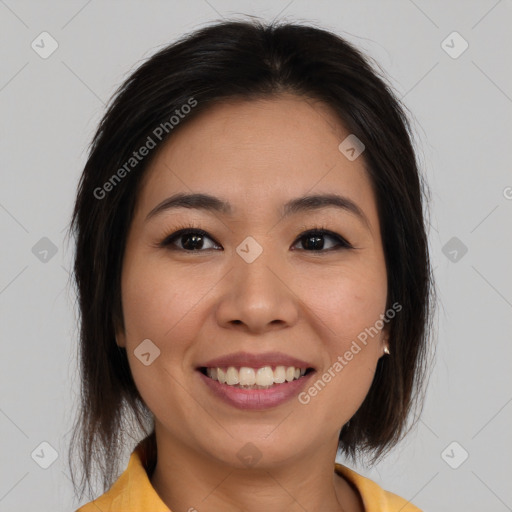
[(246, 60)]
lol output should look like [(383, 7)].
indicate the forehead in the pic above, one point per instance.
[(259, 152)]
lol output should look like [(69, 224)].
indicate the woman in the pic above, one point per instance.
[(253, 277)]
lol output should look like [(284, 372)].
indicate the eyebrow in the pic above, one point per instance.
[(303, 204)]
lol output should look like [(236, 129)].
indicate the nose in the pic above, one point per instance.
[(258, 297)]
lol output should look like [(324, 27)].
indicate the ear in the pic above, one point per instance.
[(385, 337), (121, 340), (120, 334)]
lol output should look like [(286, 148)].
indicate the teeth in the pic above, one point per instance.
[(265, 376), (255, 378), (279, 375), (247, 376), (231, 376)]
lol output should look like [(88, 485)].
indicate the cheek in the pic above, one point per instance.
[(348, 301), (347, 307), (156, 311), (157, 301), (157, 306)]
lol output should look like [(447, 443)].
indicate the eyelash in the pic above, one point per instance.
[(189, 229)]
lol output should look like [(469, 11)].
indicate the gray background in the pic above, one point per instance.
[(462, 113)]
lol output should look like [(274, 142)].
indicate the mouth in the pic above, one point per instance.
[(264, 377), (251, 381)]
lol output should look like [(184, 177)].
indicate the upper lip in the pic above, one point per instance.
[(239, 359)]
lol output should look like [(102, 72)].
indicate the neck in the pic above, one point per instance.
[(188, 480)]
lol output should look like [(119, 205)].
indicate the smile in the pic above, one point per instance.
[(255, 388), (254, 378)]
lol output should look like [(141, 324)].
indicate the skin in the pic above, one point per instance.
[(310, 304)]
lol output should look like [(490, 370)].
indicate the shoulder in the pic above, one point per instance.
[(373, 496), (132, 491), (110, 501)]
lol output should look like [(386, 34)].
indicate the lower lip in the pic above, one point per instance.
[(256, 398)]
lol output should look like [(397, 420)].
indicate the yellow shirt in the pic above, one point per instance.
[(133, 492)]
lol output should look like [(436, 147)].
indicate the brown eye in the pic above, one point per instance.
[(314, 241), (189, 240), (197, 240)]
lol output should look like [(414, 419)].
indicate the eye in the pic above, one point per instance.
[(313, 241), (189, 240)]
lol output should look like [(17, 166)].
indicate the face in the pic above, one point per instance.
[(262, 285)]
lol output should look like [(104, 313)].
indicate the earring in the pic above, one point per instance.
[(386, 351)]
